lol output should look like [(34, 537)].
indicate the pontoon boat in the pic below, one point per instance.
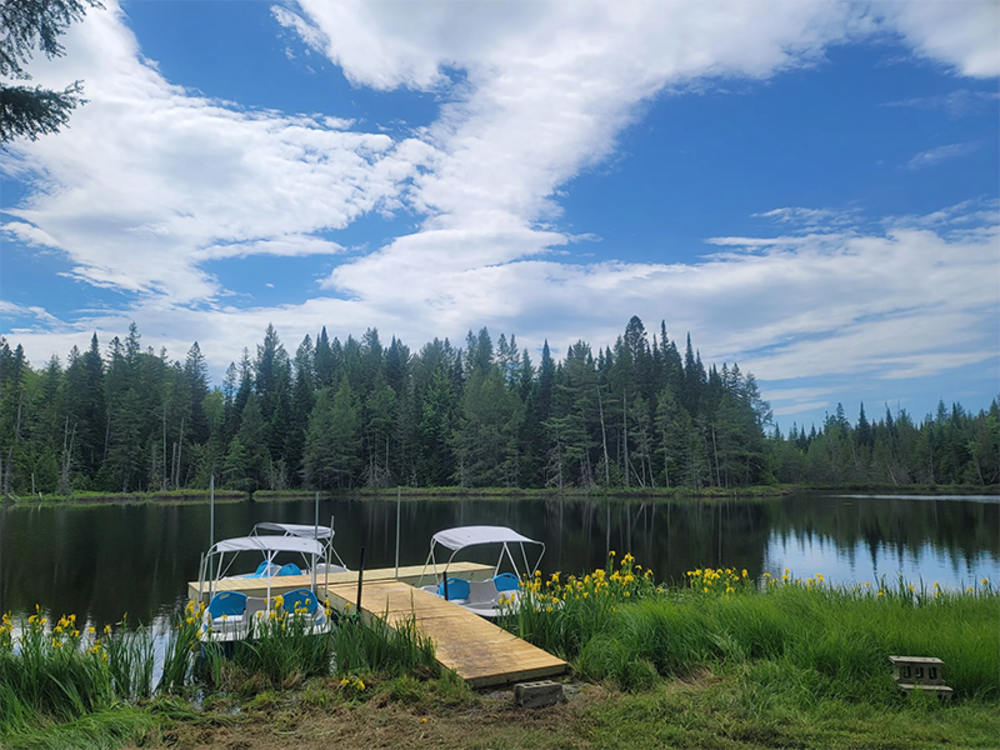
[(501, 593)]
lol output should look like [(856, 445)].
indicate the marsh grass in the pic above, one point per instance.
[(63, 687), (281, 649), (802, 638), (376, 647), (56, 672)]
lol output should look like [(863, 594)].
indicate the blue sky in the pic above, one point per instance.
[(811, 189)]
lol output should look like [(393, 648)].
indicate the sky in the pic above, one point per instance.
[(809, 188)]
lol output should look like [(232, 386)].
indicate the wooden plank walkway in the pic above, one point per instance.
[(283, 584), (480, 652)]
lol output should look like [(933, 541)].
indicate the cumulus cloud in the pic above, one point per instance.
[(186, 178), (962, 35)]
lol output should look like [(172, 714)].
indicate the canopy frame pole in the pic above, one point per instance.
[(316, 537), (201, 577)]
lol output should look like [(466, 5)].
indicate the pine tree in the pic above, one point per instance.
[(28, 25)]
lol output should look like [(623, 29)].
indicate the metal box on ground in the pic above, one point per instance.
[(920, 673)]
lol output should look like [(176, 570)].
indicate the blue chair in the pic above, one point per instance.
[(291, 569), (299, 599), (229, 603), (261, 570), (506, 582), (458, 588)]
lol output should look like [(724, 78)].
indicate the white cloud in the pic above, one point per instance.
[(799, 408), (147, 164), (542, 92), (28, 234), (958, 103), (959, 33), (292, 246), (941, 153), (898, 304), (12, 310), (809, 218)]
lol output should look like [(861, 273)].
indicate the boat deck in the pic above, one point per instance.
[(409, 574), (480, 653)]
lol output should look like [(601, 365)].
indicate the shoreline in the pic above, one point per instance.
[(195, 496)]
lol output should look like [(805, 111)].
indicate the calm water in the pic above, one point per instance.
[(102, 561)]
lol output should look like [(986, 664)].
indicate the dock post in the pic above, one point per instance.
[(361, 576), (399, 500)]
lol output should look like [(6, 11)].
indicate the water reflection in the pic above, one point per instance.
[(101, 561)]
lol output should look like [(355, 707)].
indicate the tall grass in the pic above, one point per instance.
[(281, 648), (376, 647), (811, 638), (52, 674), (55, 672)]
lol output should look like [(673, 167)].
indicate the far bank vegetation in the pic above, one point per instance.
[(645, 413)]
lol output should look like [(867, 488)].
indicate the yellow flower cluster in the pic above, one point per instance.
[(193, 614), (353, 684), (6, 632), (719, 581), (34, 634), (609, 584)]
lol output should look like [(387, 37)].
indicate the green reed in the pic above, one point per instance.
[(375, 646), (814, 639), (51, 673)]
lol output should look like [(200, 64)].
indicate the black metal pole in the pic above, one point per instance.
[(361, 575)]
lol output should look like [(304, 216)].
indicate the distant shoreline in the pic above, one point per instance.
[(194, 496)]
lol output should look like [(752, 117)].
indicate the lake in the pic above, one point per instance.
[(104, 560)]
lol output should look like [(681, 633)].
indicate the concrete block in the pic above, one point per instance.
[(537, 694)]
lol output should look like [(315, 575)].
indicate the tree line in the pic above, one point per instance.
[(344, 415)]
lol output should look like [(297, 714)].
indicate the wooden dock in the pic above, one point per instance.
[(409, 574), (480, 653)]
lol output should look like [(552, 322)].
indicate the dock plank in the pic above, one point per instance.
[(480, 652)]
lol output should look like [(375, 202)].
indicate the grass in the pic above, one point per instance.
[(724, 661), (799, 637), (60, 687)]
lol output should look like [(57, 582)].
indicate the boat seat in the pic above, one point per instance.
[(255, 604), (506, 582), (331, 568), (291, 569), (264, 568), (299, 599), (482, 592), (228, 603), (458, 588)]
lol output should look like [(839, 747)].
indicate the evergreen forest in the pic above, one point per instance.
[(358, 413)]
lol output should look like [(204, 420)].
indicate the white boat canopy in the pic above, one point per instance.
[(466, 536), (215, 564), (296, 529), (462, 537), (307, 531), (267, 544)]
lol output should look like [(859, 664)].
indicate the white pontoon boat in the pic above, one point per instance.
[(501, 593), (229, 614)]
